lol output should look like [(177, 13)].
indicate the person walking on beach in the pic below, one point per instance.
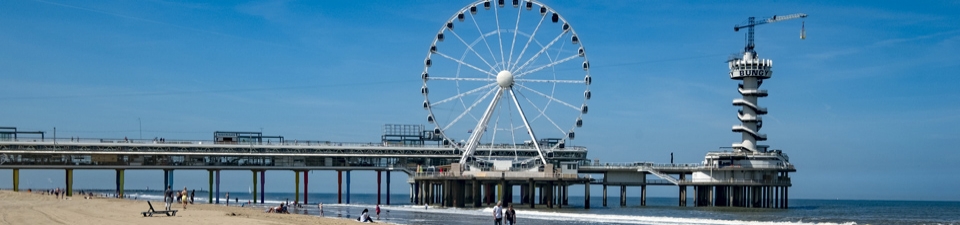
[(511, 215), (192, 193), (228, 198), (498, 214), (378, 212), (168, 198), (185, 200), (321, 208)]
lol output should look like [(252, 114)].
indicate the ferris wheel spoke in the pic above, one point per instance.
[(544, 114), (470, 47), (542, 50), (526, 123), (496, 14), (465, 64), (481, 126), (484, 37), (529, 40), (548, 97), (466, 79), (467, 111), (548, 81), (547, 66), (470, 92), (516, 29)]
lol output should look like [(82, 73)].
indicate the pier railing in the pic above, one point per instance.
[(667, 166), (288, 143), (496, 174)]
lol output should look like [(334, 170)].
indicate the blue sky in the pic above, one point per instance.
[(867, 106)]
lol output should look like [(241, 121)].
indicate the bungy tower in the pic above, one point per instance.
[(750, 71)]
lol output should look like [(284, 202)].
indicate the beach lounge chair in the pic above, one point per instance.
[(152, 211)]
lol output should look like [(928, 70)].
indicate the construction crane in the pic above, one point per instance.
[(752, 22)]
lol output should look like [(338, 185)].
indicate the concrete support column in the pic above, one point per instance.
[(623, 195), (166, 180), (388, 187), (696, 195), (296, 186), (549, 190), (566, 196), (210, 189), (339, 187), (586, 195), (643, 195), (378, 186), (120, 183), (445, 194), (559, 196), (216, 184), (306, 189), (507, 194), (16, 180), (476, 193), (786, 197), (683, 190), (348, 186), (532, 192), (69, 182), (263, 187), (501, 191), (254, 193), (604, 194), (170, 179)]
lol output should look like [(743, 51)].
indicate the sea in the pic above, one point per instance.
[(657, 211)]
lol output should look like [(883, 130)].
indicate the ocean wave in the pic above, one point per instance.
[(585, 217)]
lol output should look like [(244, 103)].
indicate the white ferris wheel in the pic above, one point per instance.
[(506, 76)]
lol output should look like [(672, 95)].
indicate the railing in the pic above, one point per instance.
[(662, 166), (268, 143), (779, 181), (661, 175), (504, 174)]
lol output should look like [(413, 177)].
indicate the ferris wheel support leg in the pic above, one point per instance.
[(533, 137), (481, 127)]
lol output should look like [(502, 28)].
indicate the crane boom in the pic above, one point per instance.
[(752, 22)]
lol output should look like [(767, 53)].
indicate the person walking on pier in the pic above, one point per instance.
[(511, 215), (498, 214)]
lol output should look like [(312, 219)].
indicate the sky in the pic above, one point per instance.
[(867, 106)]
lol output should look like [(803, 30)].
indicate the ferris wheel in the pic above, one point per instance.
[(506, 76)]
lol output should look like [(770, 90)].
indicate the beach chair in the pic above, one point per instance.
[(152, 211)]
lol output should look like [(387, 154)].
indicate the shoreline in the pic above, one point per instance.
[(36, 208)]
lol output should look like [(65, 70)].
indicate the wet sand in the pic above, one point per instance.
[(35, 208)]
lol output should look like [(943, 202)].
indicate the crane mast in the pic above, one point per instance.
[(752, 22)]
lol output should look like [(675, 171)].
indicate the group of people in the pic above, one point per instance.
[(59, 193), (279, 209), (183, 197), (499, 214)]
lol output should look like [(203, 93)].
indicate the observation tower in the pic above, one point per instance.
[(750, 71)]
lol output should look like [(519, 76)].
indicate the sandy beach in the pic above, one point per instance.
[(34, 208)]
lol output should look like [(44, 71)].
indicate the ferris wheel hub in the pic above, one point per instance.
[(505, 79)]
